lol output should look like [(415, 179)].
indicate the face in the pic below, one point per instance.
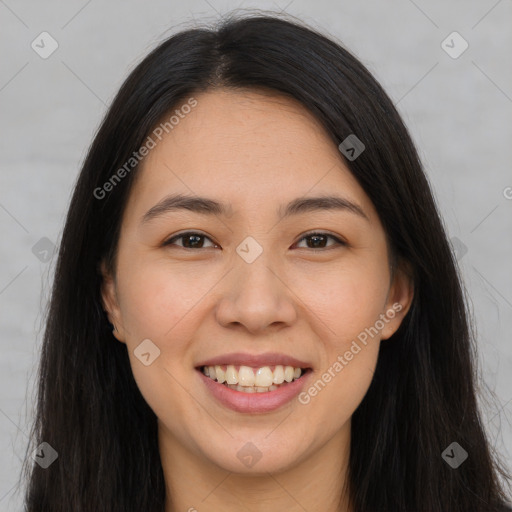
[(258, 285)]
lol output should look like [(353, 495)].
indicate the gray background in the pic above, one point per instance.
[(458, 111)]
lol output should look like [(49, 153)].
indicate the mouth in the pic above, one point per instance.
[(254, 383), (254, 379)]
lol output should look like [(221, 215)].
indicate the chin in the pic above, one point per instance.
[(257, 456)]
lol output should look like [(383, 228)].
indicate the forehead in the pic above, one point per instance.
[(248, 149)]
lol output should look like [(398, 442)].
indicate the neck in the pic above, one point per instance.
[(194, 483)]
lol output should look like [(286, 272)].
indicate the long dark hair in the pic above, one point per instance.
[(422, 397)]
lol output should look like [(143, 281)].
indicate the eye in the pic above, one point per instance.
[(318, 240), (191, 240), (195, 240)]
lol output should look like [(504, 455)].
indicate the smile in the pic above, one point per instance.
[(252, 379), (254, 388)]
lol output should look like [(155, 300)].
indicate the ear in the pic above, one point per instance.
[(399, 300), (110, 302)]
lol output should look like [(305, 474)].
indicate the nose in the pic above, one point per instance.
[(256, 297)]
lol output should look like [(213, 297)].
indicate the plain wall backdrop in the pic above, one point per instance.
[(456, 101)]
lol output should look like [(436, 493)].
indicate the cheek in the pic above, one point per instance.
[(348, 365), (157, 302), (347, 301), (335, 394), (165, 307)]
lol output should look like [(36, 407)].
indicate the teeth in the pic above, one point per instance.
[(250, 389), (221, 374), (246, 376), (231, 375), (288, 373), (278, 375), (264, 377), (252, 380)]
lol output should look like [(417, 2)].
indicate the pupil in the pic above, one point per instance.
[(316, 238), (189, 237)]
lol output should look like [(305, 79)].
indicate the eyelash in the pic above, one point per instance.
[(339, 242)]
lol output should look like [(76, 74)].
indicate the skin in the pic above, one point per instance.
[(253, 151)]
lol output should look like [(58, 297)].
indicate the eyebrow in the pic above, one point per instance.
[(206, 206)]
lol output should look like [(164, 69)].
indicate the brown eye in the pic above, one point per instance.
[(319, 240), (190, 240)]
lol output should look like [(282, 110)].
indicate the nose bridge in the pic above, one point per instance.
[(257, 273), (252, 273)]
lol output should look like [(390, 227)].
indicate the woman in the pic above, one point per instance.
[(255, 304)]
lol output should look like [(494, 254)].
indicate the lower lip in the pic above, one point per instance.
[(254, 402)]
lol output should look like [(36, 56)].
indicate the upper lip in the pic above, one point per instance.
[(255, 360)]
